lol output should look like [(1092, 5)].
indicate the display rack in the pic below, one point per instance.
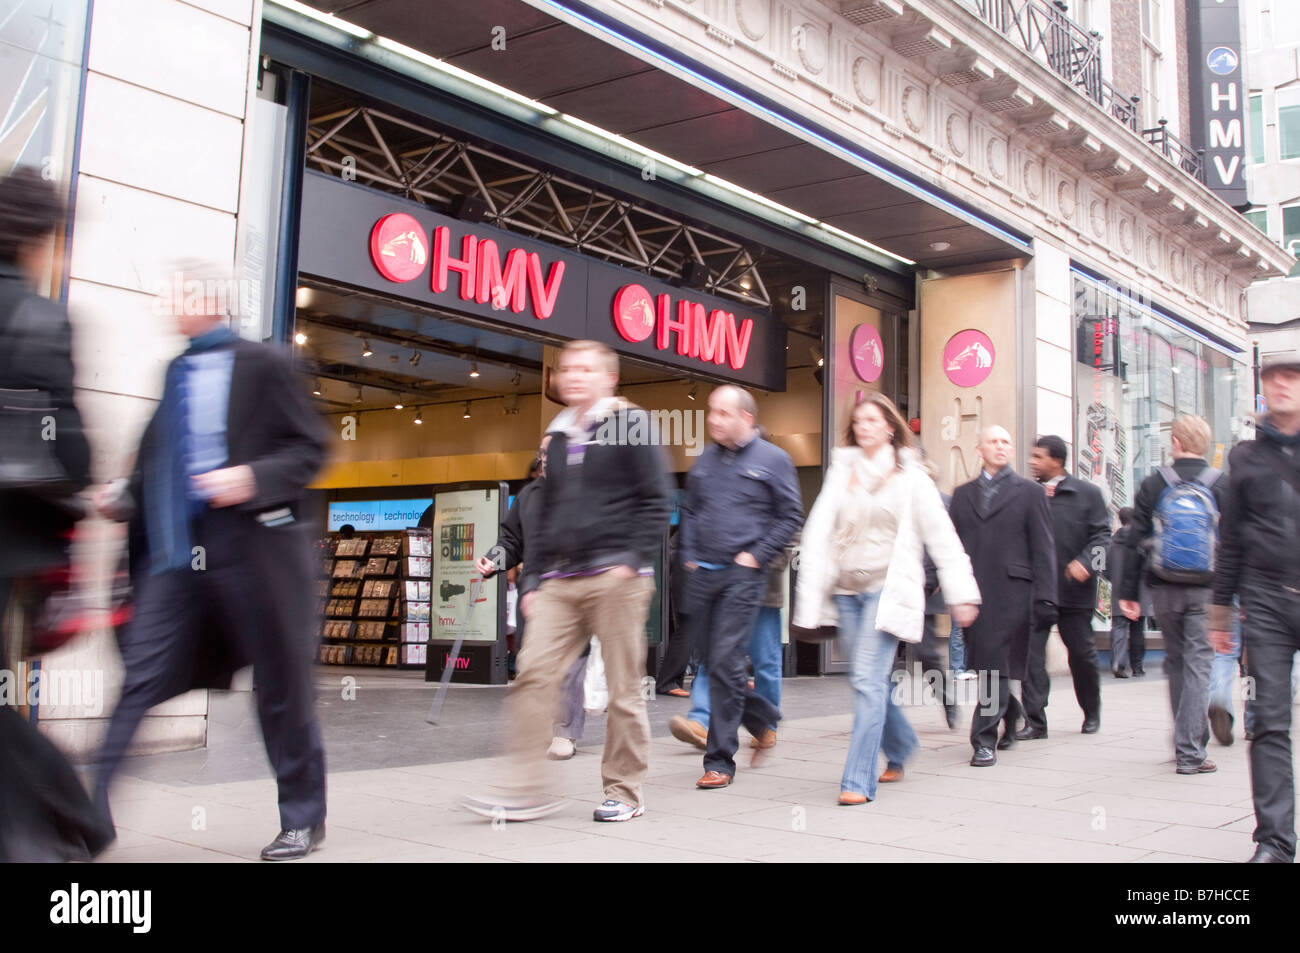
[(376, 596)]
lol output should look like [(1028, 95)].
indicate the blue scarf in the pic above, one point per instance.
[(167, 513)]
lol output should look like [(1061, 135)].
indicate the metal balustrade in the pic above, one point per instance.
[(1045, 31)]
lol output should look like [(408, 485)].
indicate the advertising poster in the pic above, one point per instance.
[(465, 524)]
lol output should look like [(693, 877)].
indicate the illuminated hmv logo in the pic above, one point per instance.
[(517, 282), (713, 336)]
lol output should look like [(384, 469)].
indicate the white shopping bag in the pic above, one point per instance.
[(595, 692)]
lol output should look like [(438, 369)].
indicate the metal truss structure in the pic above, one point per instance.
[(394, 154)]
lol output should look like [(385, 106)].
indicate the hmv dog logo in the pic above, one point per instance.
[(397, 247), (634, 313), (968, 358), (867, 353)]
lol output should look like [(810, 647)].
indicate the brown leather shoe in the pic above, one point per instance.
[(713, 779), (691, 732), (853, 797), (766, 740), (891, 774)]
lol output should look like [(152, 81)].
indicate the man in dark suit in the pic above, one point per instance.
[(1006, 527), (1082, 530), (224, 562)]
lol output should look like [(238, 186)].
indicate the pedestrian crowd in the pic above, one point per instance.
[(221, 469)]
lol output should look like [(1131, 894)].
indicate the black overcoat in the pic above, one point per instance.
[(1013, 553)]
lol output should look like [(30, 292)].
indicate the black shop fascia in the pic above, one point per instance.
[(373, 241)]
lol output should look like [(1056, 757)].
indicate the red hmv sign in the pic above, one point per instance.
[(716, 337), (397, 249), (370, 241)]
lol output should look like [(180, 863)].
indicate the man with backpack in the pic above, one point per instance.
[(1176, 523), (1259, 562)]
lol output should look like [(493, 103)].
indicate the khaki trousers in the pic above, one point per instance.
[(566, 613)]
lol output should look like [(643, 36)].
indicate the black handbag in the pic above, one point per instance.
[(28, 434)]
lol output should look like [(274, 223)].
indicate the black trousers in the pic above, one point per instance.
[(1075, 626), (672, 671), (1128, 642), (1271, 633), (45, 813), (721, 606), (933, 656), (996, 704), (172, 610)]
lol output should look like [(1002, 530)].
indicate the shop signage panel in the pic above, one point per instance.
[(374, 241), (465, 525), (373, 516), (1218, 95)]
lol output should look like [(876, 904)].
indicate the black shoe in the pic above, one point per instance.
[(1006, 741), (1221, 725), (1265, 855), (984, 758), (1091, 726), (1030, 733), (950, 712), (295, 844), (1138, 671), (1121, 673)]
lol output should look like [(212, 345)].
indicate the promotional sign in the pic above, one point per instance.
[(1218, 95), (465, 524), (968, 358), (372, 516), (867, 353), (374, 241)]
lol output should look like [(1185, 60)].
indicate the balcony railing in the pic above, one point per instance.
[(1191, 161), (1043, 29)]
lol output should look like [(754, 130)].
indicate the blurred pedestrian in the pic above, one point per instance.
[(604, 508), (1258, 559), (742, 508), (861, 569), (225, 574), (1081, 529), (1006, 527), (512, 552), (1127, 636), (1176, 521), (45, 813)]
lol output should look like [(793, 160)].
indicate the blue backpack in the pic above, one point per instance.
[(1185, 528)]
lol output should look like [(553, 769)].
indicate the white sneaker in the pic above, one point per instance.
[(561, 749), (507, 808), (611, 810)]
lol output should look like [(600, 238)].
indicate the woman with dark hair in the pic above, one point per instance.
[(45, 813), (861, 569)]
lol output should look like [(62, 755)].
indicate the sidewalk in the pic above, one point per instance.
[(1109, 797)]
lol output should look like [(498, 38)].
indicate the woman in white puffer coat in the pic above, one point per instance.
[(861, 570)]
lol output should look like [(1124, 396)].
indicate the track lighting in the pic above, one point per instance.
[(315, 388), (466, 414), (365, 348), (415, 359), (473, 369), (419, 418), (300, 338), (695, 389)]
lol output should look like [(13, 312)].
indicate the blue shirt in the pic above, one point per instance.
[(207, 400)]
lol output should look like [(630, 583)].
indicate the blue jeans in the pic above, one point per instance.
[(764, 652), (1221, 672), (879, 725), (956, 650)]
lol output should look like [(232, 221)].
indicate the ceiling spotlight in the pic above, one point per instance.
[(315, 387), (817, 355), (415, 359), (465, 415), (365, 348), (303, 297), (516, 378), (695, 389), (359, 397), (473, 369), (399, 405), (300, 338), (940, 246), (419, 418)]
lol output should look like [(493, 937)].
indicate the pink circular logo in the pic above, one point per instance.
[(968, 358), (867, 353), (398, 247), (634, 313)]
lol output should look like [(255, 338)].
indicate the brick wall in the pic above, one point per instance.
[(1184, 124), (1126, 46)]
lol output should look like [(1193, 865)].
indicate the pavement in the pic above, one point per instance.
[(395, 783)]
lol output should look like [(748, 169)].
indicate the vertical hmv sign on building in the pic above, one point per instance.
[(1218, 95)]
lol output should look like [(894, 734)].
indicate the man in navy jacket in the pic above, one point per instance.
[(741, 509)]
